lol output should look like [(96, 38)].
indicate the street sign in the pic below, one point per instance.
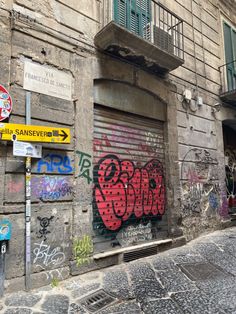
[(25, 149), (46, 80), (34, 133), (5, 103)]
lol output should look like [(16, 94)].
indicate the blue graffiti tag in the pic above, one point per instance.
[(55, 163), (213, 201)]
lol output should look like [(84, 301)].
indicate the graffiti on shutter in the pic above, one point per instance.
[(129, 185)]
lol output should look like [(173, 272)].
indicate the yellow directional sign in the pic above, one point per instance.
[(34, 133)]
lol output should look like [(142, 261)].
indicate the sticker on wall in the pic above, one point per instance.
[(25, 149), (5, 103)]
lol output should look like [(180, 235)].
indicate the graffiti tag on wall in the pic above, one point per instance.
[(135, 234), (122, 190), (45, 188), (153, 141), (230, 171), (51, 188), (199, 175), (55, 163), (45, 256), (149, 147), (83, 249), (85, 164), (224, 209), (44, 224)]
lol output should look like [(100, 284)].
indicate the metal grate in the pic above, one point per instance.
[(201, 271), (131, 256), (97, 301)]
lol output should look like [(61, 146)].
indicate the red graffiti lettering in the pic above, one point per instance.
[(121, 189), (106, 140)]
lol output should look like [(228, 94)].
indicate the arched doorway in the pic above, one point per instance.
[(129, 199)]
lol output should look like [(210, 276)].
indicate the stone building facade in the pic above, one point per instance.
[(152, 117)]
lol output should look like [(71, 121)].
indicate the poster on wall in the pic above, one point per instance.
[(5, 103)]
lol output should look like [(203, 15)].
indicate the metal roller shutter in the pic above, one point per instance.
[(129, 186)]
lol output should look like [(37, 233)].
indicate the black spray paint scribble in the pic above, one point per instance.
[(44, 224)]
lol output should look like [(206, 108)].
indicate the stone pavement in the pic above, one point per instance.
[(197, 278)]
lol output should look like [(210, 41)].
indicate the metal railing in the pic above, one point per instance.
[(228, 77), (149, 20)]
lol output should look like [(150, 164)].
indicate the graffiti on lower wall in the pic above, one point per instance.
[(47, 257), (224, 209), (46, 252), (134, 234), (83, 249), (201, 191), (44, 225), (230, 169), (200, 197), (124, 193), (45, 188), (54, 274), (52, 188)]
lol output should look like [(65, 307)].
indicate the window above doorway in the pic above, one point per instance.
[(142, 32)]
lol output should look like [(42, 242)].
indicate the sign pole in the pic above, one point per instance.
[(28, 203), (2, 273)]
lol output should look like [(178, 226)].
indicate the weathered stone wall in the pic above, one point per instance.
[(60, 34), (40, 34), (201, 157)]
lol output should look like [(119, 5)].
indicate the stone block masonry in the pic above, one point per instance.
[(189, 189)]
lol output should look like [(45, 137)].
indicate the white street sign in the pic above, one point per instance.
[(45, 80), (25, 149)]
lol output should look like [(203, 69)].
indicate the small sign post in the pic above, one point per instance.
[(51, 82), (28, 203)]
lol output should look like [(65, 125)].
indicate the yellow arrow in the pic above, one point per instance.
[(34, 133)]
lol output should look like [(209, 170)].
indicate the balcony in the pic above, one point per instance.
[(228, 83), (143, 32)]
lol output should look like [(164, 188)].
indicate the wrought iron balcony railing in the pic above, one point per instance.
[(148, 19), (228, 77)]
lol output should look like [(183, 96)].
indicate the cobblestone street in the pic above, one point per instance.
[(196, 278)]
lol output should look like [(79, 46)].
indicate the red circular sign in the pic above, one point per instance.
[(5, 103)]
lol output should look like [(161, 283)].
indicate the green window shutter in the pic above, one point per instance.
[(132, 14), (234, 43), (141, 15), (230, 52), (145, 12), (120, 12), (228, 43), (134, 22)]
